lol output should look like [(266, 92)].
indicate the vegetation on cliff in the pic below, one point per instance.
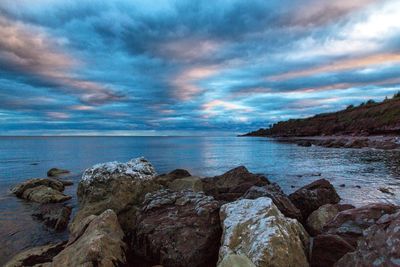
[(369, 118)]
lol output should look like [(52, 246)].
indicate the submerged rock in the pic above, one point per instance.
[(232, 184), (36, 256), (380, 245), (312, 196), (320, 217), (257, 230), (117, 186), (55, 184), (178, 229), (279, 198), (56, 172), (54, 215), (44, 194)]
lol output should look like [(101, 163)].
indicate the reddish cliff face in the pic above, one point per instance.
[(367, 119)]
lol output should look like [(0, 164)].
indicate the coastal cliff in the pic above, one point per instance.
[(369, 118)]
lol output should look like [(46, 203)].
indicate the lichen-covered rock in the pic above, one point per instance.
[(98, 245), (259, 231), (36, 256), (56, 172), (328, 249), (178, 229), (279, 198), (191, 183), (44, 194), (55, 184), (232, 184), (350, 224), (312, 196), (54, 215), (379, 246), (320, 217), (117, 186)]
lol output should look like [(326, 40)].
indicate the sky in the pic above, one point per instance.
[(184, 67)]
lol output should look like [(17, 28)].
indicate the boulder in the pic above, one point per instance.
[(56, 172), (191, 183), (328, 249), (380, 245), (164, 179), (232, 184), (36, 256), (54, 215), (312, 196), (44, 194), (178, 229), (279, 198), (257, 230), (117, 186), (99, 244), (350, 224), (55, 184), (320, 217)]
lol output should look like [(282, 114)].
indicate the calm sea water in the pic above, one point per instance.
[(287, 164)]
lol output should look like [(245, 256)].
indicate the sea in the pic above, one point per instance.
[(357, 174)]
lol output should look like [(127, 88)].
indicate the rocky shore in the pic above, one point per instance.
[(130, 216)]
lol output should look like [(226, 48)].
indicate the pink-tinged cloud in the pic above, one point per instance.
[(341, 65), (31, 50), (58, 115), (213, 108), (185, 87)]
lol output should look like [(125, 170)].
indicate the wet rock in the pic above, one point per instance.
[(386, 190), (304, 143), (117, 186), (380, 245), (99, 244), (312, 196), (178, 229), (279, 198), (56, 172), (36, 256), (350, 224), (165, 179), (54, 215), (55, 184), (328, 249), (258, 230), (357, 143), (192, 183), (342, 185), (232, 184), (44, 194), (66, 182), (320, 217)]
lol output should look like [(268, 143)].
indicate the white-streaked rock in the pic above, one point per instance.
[(259, 231)]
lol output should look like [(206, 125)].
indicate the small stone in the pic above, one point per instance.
[(56, 172)]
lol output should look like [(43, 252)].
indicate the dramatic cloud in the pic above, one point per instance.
[(122, 66)]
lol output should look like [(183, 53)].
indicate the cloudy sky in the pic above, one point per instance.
[(188, 67)]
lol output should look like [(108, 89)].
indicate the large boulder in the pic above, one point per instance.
[(178, 229), (328, 249), (191, 183), (165, 179), (274, 192), (257, 230), (98, 244), (117, 186), (36, 256), (380, 245), (320, 217), (54, 215), (232, 184), (350, 224), (312, 196)]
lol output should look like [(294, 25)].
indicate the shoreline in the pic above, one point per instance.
[(130, 208)]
